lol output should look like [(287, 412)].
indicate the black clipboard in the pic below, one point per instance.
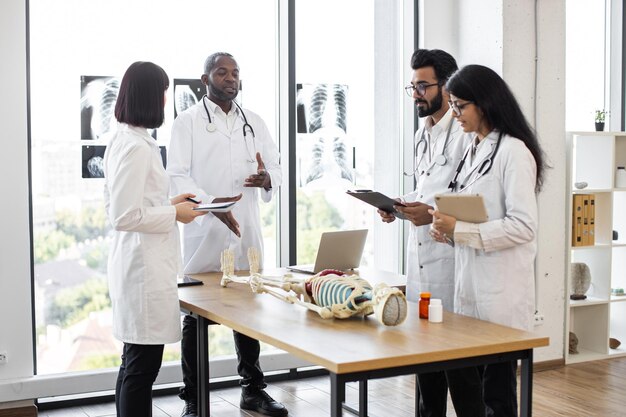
[(187, 281), (378, 200)]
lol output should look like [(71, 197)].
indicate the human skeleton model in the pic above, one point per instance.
[(329, 293)]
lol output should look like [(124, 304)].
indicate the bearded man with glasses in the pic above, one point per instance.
[(437, 147)]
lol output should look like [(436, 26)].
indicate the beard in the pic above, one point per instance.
[(433, 106), (221, 94)]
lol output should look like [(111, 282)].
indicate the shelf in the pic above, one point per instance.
[(589, 301), (593, 158), (584, 355), (596, 246), (592, 190), (620, 351)]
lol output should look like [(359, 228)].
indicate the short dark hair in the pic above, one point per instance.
[(141, 97), (211, 60), (443, 63), (487, 90)]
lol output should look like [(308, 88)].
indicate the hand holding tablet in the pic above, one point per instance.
[(378, 200)]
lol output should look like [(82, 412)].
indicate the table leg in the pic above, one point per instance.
[(337, 394), (363, 398), (417, 397), (203, 367), (526, 385)]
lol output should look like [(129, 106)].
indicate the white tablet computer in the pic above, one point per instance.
[(215, 207), (465, 207)]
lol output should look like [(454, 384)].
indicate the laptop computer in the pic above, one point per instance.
[(340, 250)]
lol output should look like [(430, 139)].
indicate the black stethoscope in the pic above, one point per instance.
[(440, 159), (210, 127), (483, 168)]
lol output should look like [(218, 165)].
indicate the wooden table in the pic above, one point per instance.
[(355, 349)]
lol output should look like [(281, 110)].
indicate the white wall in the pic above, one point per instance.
[(500, 34), (15, 311)]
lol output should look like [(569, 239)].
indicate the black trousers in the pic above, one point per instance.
[(500, 389), (465, 387), (133, 390), (248, 367)]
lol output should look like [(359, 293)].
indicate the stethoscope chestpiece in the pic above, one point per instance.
[(441, 159), (210, 127)]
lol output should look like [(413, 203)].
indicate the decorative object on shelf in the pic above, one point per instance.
[(583, 219), (573, 343), (600, 116), (615, 235), (614, 343), (620, 177), (617, 291), (580, 185), (581, 280)]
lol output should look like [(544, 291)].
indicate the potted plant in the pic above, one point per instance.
[(600, 116)]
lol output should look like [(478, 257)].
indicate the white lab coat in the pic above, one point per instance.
[(215, 164), (144, 258), (497, 284), (430, 265)]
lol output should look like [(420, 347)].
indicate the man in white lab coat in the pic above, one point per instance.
[(217, 148), (438, 148)]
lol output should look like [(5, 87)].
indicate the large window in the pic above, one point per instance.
[(79, 51), (349, 75), (340, 88)]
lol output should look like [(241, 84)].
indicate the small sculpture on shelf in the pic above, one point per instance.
[(580, 185), (573, 343), (330, 293), (614, 343), (580, 281)]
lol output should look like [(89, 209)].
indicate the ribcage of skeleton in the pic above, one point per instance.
[(331, 290)]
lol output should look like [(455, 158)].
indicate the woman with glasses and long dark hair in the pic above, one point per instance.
[(144, 258), (494, 272)]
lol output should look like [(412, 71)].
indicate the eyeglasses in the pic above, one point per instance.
[(420, 88), (458, 108)]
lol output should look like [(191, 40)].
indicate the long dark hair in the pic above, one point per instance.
[(141, 98), (487, 90)]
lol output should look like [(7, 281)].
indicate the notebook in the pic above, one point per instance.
[(340, 250)]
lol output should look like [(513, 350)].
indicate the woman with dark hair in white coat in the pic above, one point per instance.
[(494, 271), (144, 258)]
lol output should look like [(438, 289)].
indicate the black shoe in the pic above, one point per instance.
[(190, 410), (260, 401)]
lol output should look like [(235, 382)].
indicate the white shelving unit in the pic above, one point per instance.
[(593, 157)]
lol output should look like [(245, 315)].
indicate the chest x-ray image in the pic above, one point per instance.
[(93, 160), (324, 149), (187, 92), (97, 105)]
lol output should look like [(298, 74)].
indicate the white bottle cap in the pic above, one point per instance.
[(435, 301)]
